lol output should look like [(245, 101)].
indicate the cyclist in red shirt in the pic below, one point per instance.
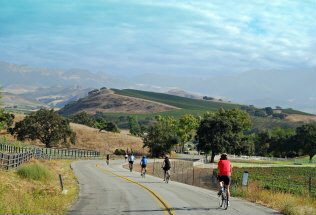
[(224, 173)]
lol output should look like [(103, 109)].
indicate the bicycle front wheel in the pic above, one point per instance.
[(220, 200), (225, 200)]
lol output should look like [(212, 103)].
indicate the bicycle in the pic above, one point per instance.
[(144, 173), (223, 198), (167, 176), (130, 167)]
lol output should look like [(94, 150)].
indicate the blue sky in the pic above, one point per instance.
[(177, 37)]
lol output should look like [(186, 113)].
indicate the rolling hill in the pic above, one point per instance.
[(105, 100), (182, 105)]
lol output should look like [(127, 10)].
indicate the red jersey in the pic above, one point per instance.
[(224, 168)]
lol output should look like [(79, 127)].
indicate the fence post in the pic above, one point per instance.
[(2, 158), (8, 162), (61, 182)]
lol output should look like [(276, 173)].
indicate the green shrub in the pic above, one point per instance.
[(34, 172), (119, 152)]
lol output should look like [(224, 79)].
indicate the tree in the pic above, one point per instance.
[(281, 142), (84, 119), (134, 127), (260, 113), (111, 127), (161, 136), (269, 110), (306, 139), (47, 126), (262, 143), (222, 131), (186, 128), (6, 119), (100, 123)]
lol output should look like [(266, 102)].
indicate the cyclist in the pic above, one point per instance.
[(166, 166), (131, 159), (224, 174), (143, 164), (107, 159)]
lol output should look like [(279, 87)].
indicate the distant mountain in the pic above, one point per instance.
[(57, 96), (295, 89), (12, 101), (23, 75), (288, 89)]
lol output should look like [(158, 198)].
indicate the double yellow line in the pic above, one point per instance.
[(163, 204)]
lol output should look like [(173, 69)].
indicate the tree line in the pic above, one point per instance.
[(225, 131)]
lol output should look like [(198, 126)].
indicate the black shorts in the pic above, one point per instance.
[(166, 169), (144, 166), (225, 179), (131, 162)]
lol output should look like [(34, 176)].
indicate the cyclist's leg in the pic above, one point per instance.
[(164, 174), (220, 184), (227, 185)]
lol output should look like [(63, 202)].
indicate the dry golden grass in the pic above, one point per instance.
[(284, 202), (23, 196), (300, 118), (91, 138)]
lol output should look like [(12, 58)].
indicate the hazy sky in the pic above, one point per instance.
[(178, 37)]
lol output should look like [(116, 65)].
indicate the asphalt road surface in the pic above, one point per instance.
[(114, 190)]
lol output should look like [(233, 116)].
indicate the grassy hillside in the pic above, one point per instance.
[(177, 101), (196, 107), (105, 142), (291, 111), (87, 138)]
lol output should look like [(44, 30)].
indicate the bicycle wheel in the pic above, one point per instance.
[(167, 177), (225, 200), (220, 200)]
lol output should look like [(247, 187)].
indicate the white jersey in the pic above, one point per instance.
[(131, 158)]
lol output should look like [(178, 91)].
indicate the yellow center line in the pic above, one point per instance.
[(163, 204)]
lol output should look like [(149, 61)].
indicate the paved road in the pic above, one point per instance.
[(114, 190)]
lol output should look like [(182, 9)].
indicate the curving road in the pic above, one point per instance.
[(114, 190)]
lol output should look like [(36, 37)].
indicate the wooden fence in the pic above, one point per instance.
[(51, 153), (10, 161)]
